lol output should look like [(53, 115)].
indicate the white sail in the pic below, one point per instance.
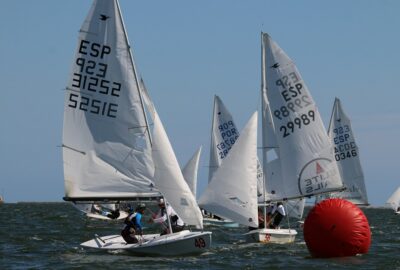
[(295, 208), (272, 168), (190, 171), (273, 175), (105, 136), (394, 200), (232, 192), (169, 179), (223, 136), (305, 152), (347, 156)]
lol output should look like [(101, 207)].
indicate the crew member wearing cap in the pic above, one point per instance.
[(133, 225), (161, 217)]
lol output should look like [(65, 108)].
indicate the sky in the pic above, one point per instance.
[(189, 51)]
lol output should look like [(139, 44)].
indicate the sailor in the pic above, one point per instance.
[(133, 225), (277, 214), (177, 223), (260, 220)]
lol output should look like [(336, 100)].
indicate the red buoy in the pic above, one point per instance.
[(336, 228)]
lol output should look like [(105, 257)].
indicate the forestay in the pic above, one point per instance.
[(105, 136), (347, 156), (232, 191), (305, 151)]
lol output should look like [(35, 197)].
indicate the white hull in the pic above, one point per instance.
[(180, 243), (276, 236), (397, 212), (220, 222), (122, 215)]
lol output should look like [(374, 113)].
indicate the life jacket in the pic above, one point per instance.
[(130, 220)]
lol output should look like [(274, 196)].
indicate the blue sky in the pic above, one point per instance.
[(188, 51)]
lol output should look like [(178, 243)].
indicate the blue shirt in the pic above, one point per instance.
[(137, 222)]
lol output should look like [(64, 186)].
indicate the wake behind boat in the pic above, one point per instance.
[(108, 152)]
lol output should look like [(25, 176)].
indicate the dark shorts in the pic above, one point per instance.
[(129, 237)]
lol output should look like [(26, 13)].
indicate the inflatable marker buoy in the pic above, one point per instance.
[(336, 228)]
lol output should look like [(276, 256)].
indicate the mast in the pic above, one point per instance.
[(332, 116), (264, 150), (134, 72), (212, 143)]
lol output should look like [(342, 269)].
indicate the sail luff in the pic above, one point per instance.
[(331, 121), (134, 71)]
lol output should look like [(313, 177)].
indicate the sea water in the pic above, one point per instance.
[(47, 236)]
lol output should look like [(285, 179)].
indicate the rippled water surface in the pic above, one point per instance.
[(47, 236)]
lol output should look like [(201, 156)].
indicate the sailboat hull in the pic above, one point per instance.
[(180, 243), (276, 236), (122, 215), (220, 222)]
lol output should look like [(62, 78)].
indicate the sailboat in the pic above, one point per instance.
[(347, 156), (232, 191), (394, 201), (108, 152), (102, 211), (304, 165), (223, 136)]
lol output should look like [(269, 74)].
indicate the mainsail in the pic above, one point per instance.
[(347, 156), (305, 151), (105, 133)]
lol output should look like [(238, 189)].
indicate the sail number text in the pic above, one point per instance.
[(298, 122), (229, 136), (199, 242), (93, 91), (294, 101), (344, 146)]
